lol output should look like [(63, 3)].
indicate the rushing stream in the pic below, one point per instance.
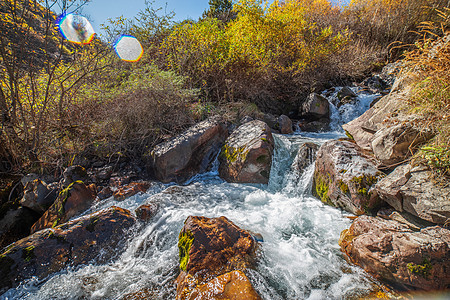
[(299, 258)]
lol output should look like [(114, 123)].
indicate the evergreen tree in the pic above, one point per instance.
[(220, 9)]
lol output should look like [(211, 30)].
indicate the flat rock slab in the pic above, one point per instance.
[(393, 252), (97, 236)]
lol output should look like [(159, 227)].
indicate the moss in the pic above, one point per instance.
[(28, 253), (61, 202), (349, 135), (262, 159), (185, 241), (422, 269), (343, 171), (232, 154), (265, 140), (344, 187), (322, 187)]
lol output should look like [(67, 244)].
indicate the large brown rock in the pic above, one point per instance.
[(131, 189), (285, 124), (210, 247), (74, 173), (97, 236), (189, 153), (15, 224), (393, 252), (394, 144), (74, 199), (246, 156), (233, 285), (411, 189), (344, 175)]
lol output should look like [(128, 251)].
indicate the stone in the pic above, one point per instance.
[(320, 125), (131, 190), (305, 157), (16, 224), (271, 121), (346, 92), (98, 236), (285, 124), (411, 189), (395, 144), (246, 156), (232, 285), (315, 107), (393, 252), (189, 153), (74, 173), (210, 247), (344, 176), (147, 211), (346, 100), (105, 193), (246, 119), (38, 196), (74, 199)]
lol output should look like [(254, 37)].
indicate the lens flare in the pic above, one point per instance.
[(76, 29), (128, 48)]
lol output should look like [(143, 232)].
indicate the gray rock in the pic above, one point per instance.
[(189, 153), (394, 144), (388, 188), (246, 156), (344, 175), (246, 119), (305, 157), (315, 107), (346, 92), (38, 196)]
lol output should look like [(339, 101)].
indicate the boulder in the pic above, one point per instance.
[(246, 156), (189, 153), (97, 236), (365, 126), (306, 156), (285, 124), (315, 107), (232, 285), (411, 189), (131, 190), (344, 175), (74, 199), (394, 144), (393, 252), (147, 211), (210, 247), (38, 196), (315, 126), (74, 173), (246, 119), (346, 92), (271, 121)]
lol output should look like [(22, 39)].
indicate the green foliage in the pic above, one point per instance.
[(322, 187), (28, 253)]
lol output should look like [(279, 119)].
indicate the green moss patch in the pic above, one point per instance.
[(185, 240), (422, 269), (322, 187), (232, 154), (28, 253), (344, 187)]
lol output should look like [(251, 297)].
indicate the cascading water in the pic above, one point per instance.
[(299, 258)]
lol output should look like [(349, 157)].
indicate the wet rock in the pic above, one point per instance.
[(210, 247), (315, 126), (74, 173), (412, 190), (393, 252), (189, 153), (394, 144), (364, 127), (246, 156), (131, 190), (105, 193), (344, 175), (346, 100), (285, 124), (147, 211), (118, 181), (74, 199), (97, 236), (232, 285), (346, 92), (16, 224), (315, 107), (305, 157), (271, 121), (38, 196)]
